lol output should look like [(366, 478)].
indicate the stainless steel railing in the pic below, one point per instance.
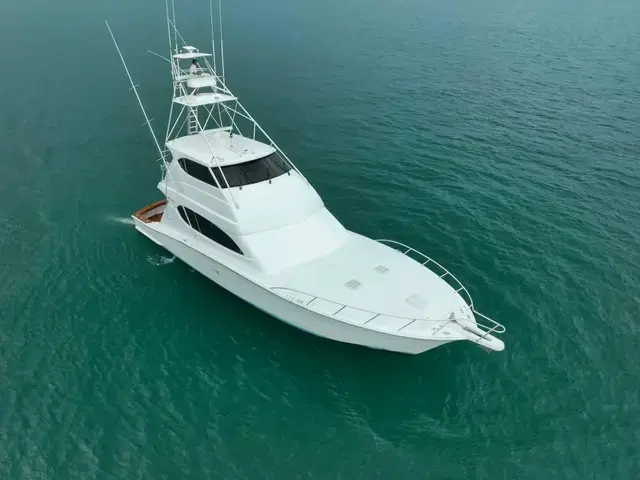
[(493, 327)]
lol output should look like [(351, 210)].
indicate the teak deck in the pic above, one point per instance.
[(152, 212)]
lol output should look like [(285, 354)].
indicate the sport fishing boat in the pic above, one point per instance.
[(236, 209)]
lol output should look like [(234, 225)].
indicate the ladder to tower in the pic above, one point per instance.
[(192, 122)]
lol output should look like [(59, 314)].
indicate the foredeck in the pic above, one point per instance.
[(374, 280), (367, 283)]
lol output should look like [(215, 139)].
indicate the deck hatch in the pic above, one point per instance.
[(416, 301), (381, 269), (353, 284)]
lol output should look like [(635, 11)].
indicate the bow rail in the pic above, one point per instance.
[(450, 278)]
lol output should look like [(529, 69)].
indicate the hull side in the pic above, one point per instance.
[(282, 309)]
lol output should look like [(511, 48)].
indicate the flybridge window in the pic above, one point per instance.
[(208, 229), (255, 171), (197, 171)]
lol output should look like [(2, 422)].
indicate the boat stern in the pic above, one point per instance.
[(144, 218)]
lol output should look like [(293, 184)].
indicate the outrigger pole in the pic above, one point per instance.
[(146, 117), (135, 90)]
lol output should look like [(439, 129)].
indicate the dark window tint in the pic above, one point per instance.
[(208, 229), (233, 175), (197, 170), (278, 164), (255, 171)]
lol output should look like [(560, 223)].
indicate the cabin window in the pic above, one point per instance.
[(208, 229), (197, 171), (255, 171)]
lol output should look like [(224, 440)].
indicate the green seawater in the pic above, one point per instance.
[(500, 137)]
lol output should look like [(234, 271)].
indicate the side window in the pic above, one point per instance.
[(189, 217), (208, 229), (197, 171)]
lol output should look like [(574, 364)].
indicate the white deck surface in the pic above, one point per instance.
[(227, 150), (203, 99), (201, 81), (187, 55), (387, 283)]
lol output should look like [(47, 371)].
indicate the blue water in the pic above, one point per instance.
[(499, 137)]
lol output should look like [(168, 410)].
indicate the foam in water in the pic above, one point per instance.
[(122, 220), (158, 260)]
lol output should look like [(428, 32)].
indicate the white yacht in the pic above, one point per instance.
[(236, 209)]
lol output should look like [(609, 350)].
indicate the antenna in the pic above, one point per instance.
[(168, 28), (221, 38), (175, 34), (135, 90), (213, 38)]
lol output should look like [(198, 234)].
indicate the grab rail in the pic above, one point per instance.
[(486, 330), (342, 306)]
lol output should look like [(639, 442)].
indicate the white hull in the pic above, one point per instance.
[(286, 311)]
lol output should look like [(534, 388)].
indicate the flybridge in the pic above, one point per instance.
[(201, 104)]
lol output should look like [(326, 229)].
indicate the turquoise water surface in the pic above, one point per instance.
[(499, 137)]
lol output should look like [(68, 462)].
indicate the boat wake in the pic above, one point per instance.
[(158, 260), (116, 219)]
